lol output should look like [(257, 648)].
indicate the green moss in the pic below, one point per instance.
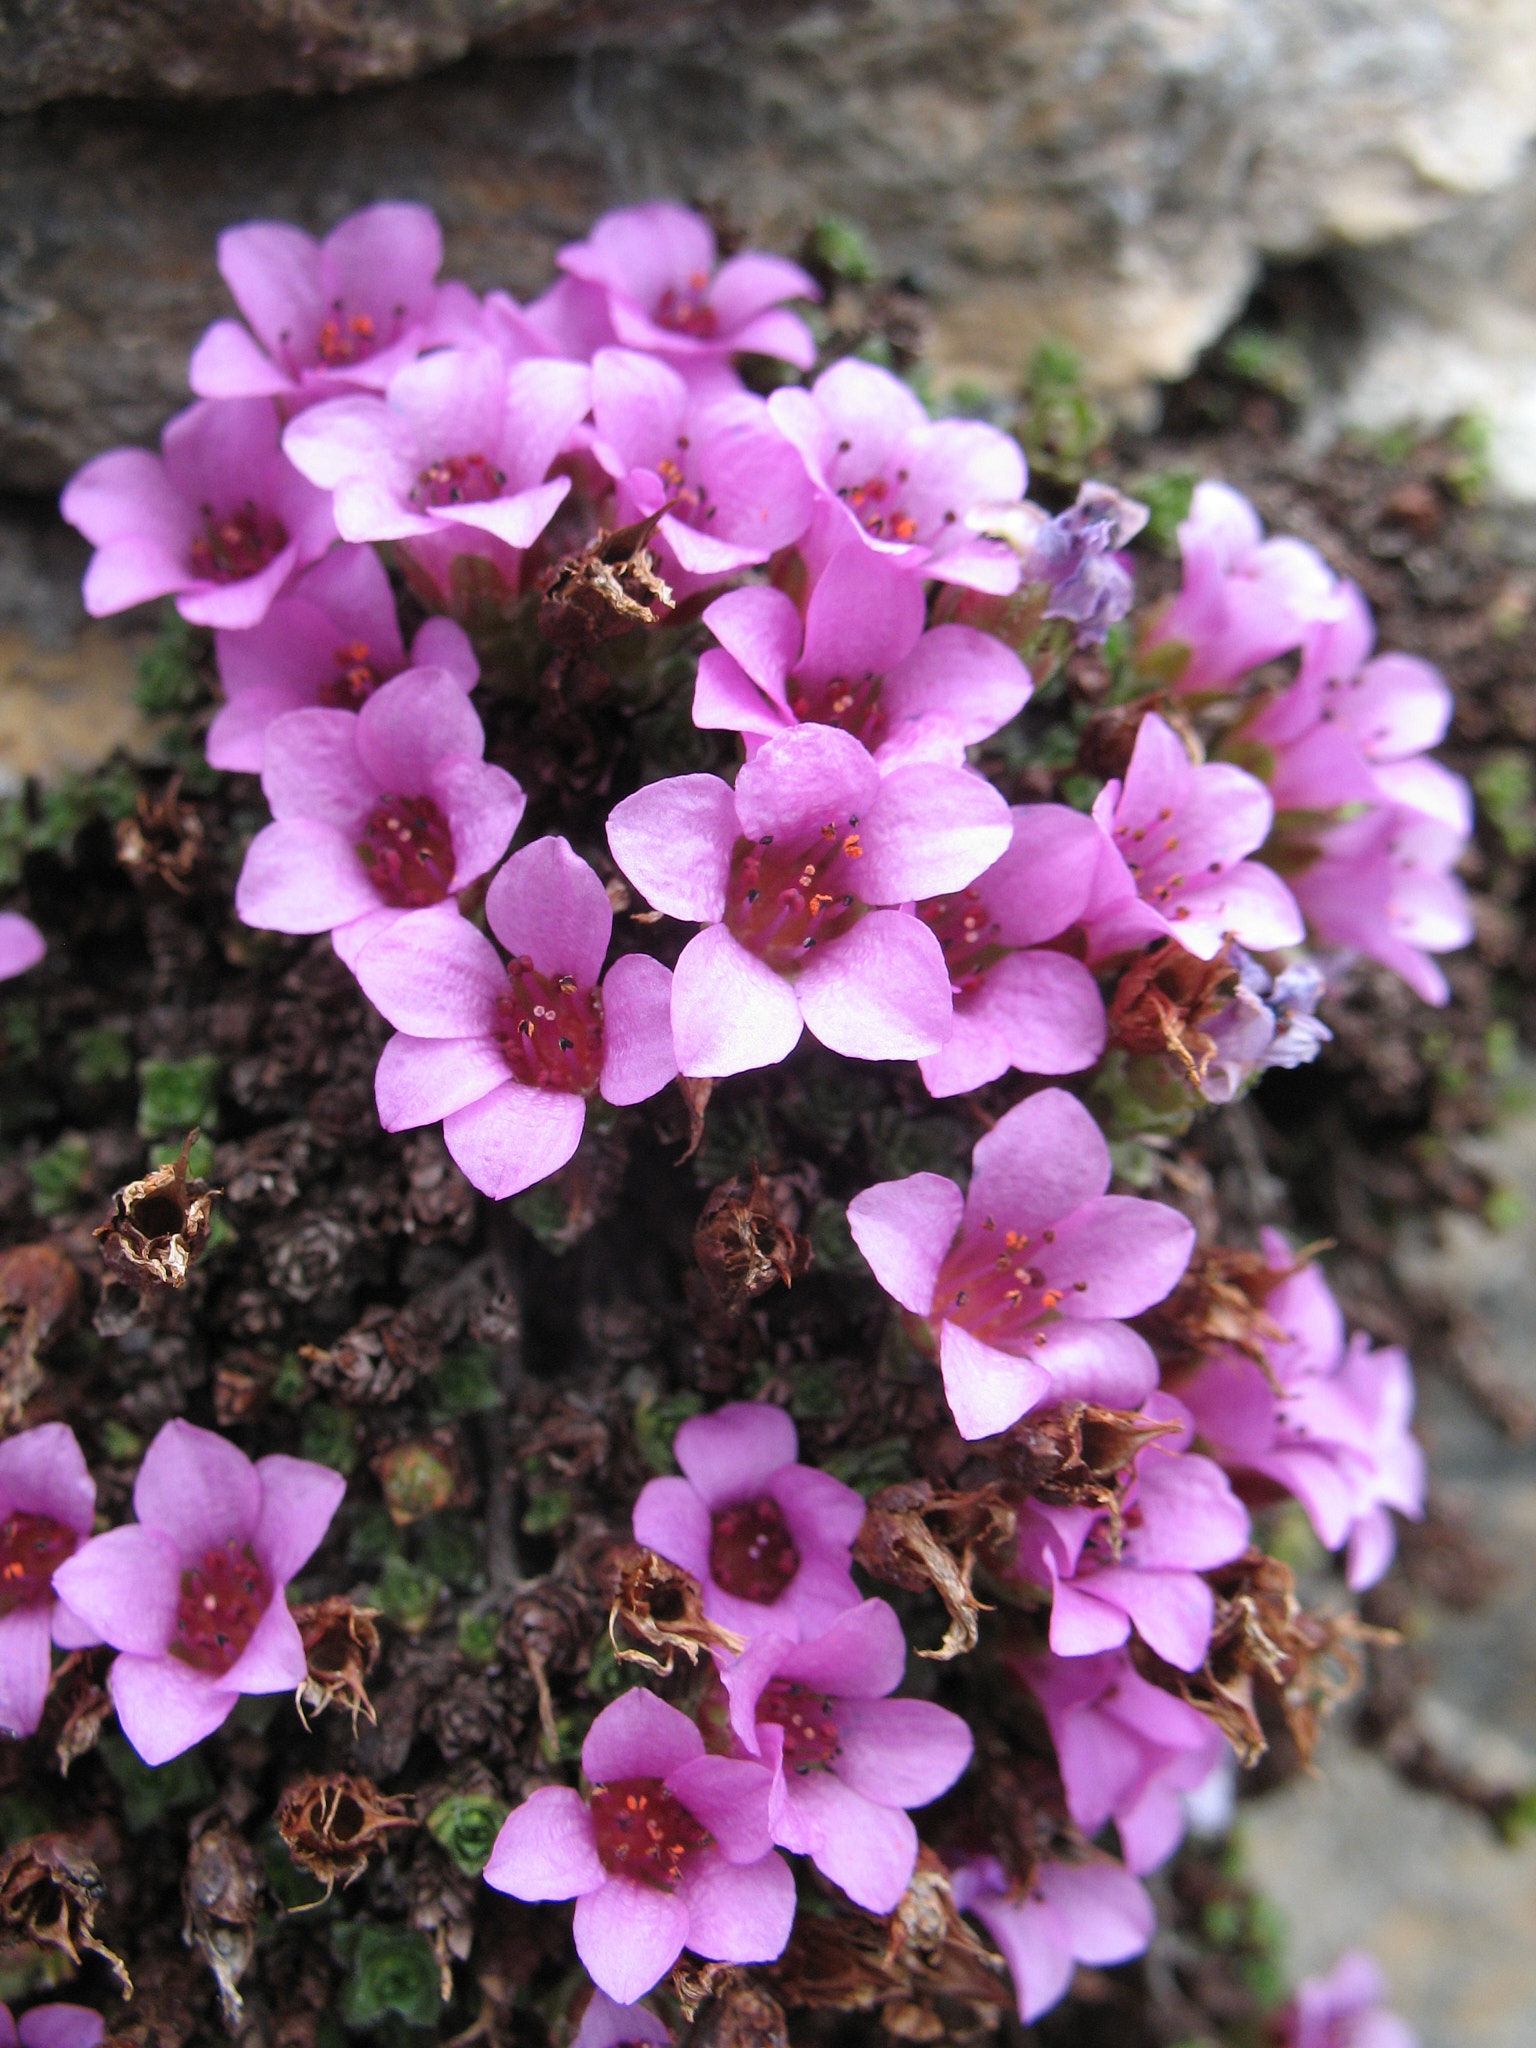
[(60, 1176), (657, 1423), (176, 1095)]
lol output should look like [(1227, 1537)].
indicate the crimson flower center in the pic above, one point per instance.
[(751, 1552), (407, 848), (237, 544), (355, 680), (967, 931), (989, 1285), (222, 1600), (685, 309), (32, 1547), (550, 1029), (345, 338), (781, 901), (852, 706), (868, 504), (458, 480), (810, 1733), (644, 1831)]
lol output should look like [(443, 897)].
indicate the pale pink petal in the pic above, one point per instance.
[(674, 839), (547, 1848), (69, 1631), (443, 643), (61, 2026), (672, 1520), (1104, 1362), (127, 495), (484, 806), (804, 779), (863, 617), (311, 769), (301, 875), (273, 273), (904, 1228), (1249, 902), (737, 1913), (126, 1586), (25, 1667), (1082, 1626), (639, 1736), (638, 1055), (1043, 1159), (1126, 1253), (761, 630), (514, 1137), (421, 1080), (730, 1796), (750, 283), (198, 1488), (974, 1053), (1173, 1611), (298, 1501), (606, 2025), (869, 1850), (351, 438), (730, 1011), (43, 1472), (731, 1455), (929, 830), (629, 1935), (548, 904), (900, 1752), (879, 991), (1372, 1546), (229, 363), (415, 720), (1044, 881), (1107, 1912), (638, 405), (433, 974), (516, 521), (273, 1660), (863, 1655), (987, 1390), (970, 678), (165, 1707), (131, 571), (242, 604), (779, 333), (725, 698), (545, 400)]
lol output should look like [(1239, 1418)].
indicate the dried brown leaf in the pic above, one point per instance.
[(607, 590)]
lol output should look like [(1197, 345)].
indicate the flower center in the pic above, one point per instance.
[(550, 1029), (1151, 852), (355, 679), (458, 480), (687, 311), (988, 1285), (222, 1600), (407, 849), (851, 706), (966, 930), (810, 1733), (644, 1831), (32, 1547), (780, 901), (238, 545), (345, 338), (867, 502), (689, 502), (751, 1552)]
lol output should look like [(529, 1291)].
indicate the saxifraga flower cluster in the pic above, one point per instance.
[(880, 599)]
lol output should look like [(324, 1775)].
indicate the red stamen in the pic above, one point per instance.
[(782, 901), (751, 1551), (407, 849), (644, 1831), (355, 679), (458, 480), (32, 1547), (550, 1029), (810, 1733), (238, 545), (222, 1600)]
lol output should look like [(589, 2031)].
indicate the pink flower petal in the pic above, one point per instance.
[(1043, 1159), (900, 1752), (869, 1850), (61, 2026), (1103, 1362), (672, 1520), (1082, 1625), (302, 876), (1173, 1611), (514, 1137), (904, 1228), (126, 1586), (1108, 1914), (311, 768), (43, 1472), (987, 1390), (730, 1011), (298, 1502), (929, 830), (863, 1655), (673, 841), (548, 904), (970, 678), (760, 628), (1035, 1946), (229, 363), (1044, 882), (273, 1660), (434, 975), (731, 1455), (737, 1914), (547, 1848), (638, 1055), (544, 402), (639, 1736), (804, 779), (629, 1935), (725, 698), (484, 806), (606, 2025), (1127, 1253), (131, 571), (638, 405), (164, 1707), (517, 521), (878, 992), (273, 273), (443, 643), (729, 1795), (198, 1488), (25, 1668), (414, 721), (421, 1080), (864, 616), (127, 495)]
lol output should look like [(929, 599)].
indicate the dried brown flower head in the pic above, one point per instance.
[(663, 1605), (744, 1242), (159, 1226), (163, 840), (1072, 1456), (608, 589), (1221, 1299), (378, 1360), (39, 1297), (221, 1891), (1161, 1000), (341, 1647), (50, 1894), (332, 1824), (898, 1546)]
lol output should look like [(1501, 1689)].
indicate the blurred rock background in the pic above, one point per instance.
[(1119, 175)]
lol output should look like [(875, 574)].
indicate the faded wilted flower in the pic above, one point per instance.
[(159, 1225), (743, 1244), (50, 1893), (221, 1889), (331, 1825), (341, 1647)]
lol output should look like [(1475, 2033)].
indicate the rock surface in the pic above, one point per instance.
[(1111, 172)]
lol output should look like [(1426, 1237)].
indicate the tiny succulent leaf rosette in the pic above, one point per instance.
[(1345, 2009), (798, 875), (859, 660), (53, 2026), (849, 1761), (330, 640), (22, 945), (1088, 1911), (191, 1595), (220, 519), (671, 1852), (891, 478), (1326, 1419), (1179, 1518), (1023, 1281), (769, 1539), (509, 1055), (329, 316), (375, 813), (47, 1507)]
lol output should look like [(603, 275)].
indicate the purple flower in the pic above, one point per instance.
[(507, 1056), (1087, 1911), (1018, 1004), (1128, 1751), (1269, 1022), (1179, 1518), (1344, 2010), (1181, 832), (655, 266), (795, 875), (330, 641), (1327, 1421), (453, 460), (1245, 599), (736, 491), (375, 813), (327, 316), (219, 518), (1023, 1279), (47, 1506), (22, 945), (192, 1594), (768, 1539), (673, 1851), (607, 2025), (899, 481), (848, 1761), (859, 660), (1076, 556), (52, 2026)]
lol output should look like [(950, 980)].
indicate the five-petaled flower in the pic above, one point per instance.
[(1090, 1910)]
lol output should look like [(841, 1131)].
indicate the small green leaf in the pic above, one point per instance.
[(466, 1824)]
